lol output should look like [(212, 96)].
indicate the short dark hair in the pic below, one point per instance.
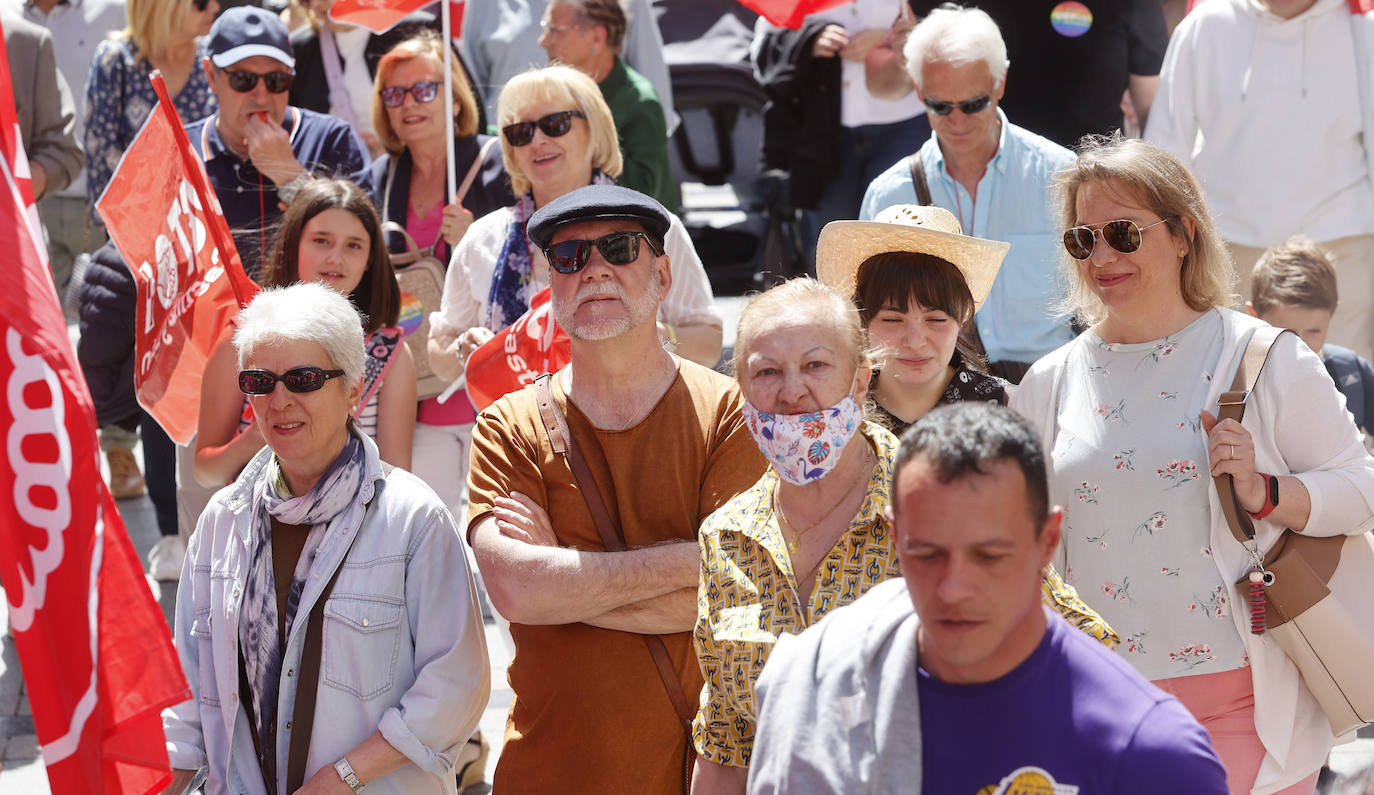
[(377, 296), (962, 439), (898, 278), (1294, 273), (608, 14)]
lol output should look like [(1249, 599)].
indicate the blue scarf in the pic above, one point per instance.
[(259, 641), (512, 282)]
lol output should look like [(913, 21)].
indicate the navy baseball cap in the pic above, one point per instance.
[(245, 31), (599, 203)]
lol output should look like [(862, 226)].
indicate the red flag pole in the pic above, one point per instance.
[(219, 233)]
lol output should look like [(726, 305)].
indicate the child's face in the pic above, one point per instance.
[(1310, 323)]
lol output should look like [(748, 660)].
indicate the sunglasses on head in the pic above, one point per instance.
[(243, 82), (617, 248), (423, 91), (297, 379), (969, 106), (554, 125), (1122, 235)]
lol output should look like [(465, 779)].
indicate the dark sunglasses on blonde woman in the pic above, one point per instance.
[(617, 248), (554, 125), (1122, 235)]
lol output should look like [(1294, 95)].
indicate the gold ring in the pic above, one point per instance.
[(1233, 450)]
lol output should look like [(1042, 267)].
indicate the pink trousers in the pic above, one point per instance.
[(1224, 703)]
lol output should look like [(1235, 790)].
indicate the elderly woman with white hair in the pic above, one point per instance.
[(326, 619)]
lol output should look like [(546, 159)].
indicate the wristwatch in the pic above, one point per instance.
[(345, 771), (287, 193)]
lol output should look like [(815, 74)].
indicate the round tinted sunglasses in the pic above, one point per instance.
[(969, 106), (297, 379), (554, 125), (243, 82), (1122, 235), (617, 248), (423, 91)]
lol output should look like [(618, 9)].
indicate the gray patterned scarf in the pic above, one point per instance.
[(259, 643)]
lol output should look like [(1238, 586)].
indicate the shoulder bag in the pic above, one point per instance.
[(1315, 594), (560, 436)]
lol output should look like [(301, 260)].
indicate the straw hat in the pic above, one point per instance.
[(845, 245)]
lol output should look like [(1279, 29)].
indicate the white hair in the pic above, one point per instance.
[(307, 312), (957, 36)]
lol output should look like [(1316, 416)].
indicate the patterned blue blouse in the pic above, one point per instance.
[(119, 98)]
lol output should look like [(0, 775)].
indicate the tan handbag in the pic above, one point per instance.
[(1318, 593), (420, 274)]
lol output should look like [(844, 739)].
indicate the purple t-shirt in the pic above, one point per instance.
[(1073, 716)]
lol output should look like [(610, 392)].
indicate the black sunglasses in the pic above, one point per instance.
[(617, 248), (969, 106), (297, 379), (554, 125), (243, 82), (1122, 235), (423, 91)]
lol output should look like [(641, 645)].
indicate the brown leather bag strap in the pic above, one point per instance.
[(308, 683), (918, 181), (1231, 406), (556, 424)]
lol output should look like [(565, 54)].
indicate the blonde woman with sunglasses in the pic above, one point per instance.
[(557, 135), (1127, 412)]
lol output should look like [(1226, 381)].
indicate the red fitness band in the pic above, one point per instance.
[(1271, 497)]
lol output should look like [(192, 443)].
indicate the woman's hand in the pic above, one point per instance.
[(521, 518), (861, 43), (829, 42), (457, 219), (471, 340), (1231, 451)]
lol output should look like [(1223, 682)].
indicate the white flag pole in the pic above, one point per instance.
[(447, 27)]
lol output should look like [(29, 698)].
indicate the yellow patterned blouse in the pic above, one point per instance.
[(748, 597)]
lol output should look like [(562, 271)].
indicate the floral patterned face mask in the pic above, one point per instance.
[(803, 448)]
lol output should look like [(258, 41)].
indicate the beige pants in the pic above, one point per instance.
[(1353, 259)]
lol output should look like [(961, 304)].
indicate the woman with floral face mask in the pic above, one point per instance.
[(811, 535)]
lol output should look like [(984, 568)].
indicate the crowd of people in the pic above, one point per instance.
[(962, 471)]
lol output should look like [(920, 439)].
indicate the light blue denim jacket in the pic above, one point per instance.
[(404, 649), (1018, 321)]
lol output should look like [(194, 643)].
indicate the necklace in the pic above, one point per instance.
[(794, 543)]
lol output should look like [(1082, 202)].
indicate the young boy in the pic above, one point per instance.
[(1294, 286)]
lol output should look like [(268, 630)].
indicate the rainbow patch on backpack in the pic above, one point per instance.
[(1071, 19), (412, 314)]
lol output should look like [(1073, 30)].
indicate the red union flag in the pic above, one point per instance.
[(379, 16), (518, 354), (97, 657), (167, 224), (789, 13)]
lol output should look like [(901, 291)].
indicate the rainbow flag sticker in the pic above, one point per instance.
[(1071, 19), (412, 313)]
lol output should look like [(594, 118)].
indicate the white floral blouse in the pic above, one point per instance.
[(1131, 468)]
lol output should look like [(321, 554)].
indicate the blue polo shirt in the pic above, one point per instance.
[(324, 145), (1018, 321)]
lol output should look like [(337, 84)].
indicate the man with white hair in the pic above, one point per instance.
[(994, 176)]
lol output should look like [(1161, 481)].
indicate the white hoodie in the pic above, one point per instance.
[(1266, 113)]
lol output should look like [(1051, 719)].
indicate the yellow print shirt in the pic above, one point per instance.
[(748, 596)]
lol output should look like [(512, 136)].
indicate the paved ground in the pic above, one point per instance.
[(23, 772)]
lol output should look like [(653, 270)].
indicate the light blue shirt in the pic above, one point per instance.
[(1018, 321)]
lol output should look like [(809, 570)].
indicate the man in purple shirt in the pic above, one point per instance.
[(957, 676)]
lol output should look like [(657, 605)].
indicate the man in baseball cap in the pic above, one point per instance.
[(258, 149)]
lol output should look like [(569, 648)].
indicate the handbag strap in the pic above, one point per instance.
[(308, 683), (556, 424), (918, 179), (474, 170), (1231, 406), (340, 102)]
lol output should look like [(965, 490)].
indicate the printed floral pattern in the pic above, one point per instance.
[(804, 447), (1130, 463)]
